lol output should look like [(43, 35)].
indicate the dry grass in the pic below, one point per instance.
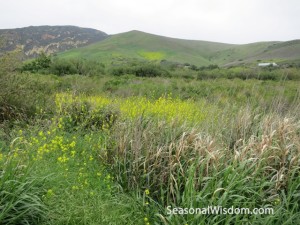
[(168, 157)]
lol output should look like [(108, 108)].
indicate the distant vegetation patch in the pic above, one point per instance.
[(116, 54), (152, 55), (141, 70)]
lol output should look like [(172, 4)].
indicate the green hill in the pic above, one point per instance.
[(144, 46)]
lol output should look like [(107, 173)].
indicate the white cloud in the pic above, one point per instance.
[(232, 21)]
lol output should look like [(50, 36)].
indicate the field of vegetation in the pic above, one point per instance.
[(83, 142)]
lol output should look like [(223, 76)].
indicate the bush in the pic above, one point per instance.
[(46, 65), (144, 70), (62, 67), (41, 63), (209, 67), (121, 71), (20, 94), (87, 67), (82, 116), (148, 71)]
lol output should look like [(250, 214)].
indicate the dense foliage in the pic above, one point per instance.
[(47, 65), (57, 66)]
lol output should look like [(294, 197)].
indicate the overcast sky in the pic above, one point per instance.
[(229, 21)]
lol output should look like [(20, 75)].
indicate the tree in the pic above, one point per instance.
[(42, 62), (10, 61)]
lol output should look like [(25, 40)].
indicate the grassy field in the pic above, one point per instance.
[(128, 149)]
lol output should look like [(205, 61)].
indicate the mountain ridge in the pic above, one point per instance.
[(49, 39)]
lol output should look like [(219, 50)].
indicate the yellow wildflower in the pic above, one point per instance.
[(277, 201), (63, 159), (50, 193), (75, 187), (72, 144)]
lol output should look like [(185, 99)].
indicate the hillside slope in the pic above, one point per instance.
[(140, 45), (48, 39), (144, 46)]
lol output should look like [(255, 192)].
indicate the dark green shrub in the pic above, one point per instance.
[(41, 63), (120, 71), (147, 71), (62, 67), (193, 67), (143, 70), (87, 67)]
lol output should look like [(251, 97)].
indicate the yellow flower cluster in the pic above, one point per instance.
[(167, 108), (73, 157), (48, 144)]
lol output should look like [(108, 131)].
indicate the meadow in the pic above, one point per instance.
[(115, 147)]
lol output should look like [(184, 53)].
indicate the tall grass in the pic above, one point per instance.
[(254, 164), (241, 155), (20, 195)]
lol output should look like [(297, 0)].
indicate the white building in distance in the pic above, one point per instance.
[(267, 64)]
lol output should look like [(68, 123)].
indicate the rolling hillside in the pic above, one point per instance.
[(144, 46), (76, 42)]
